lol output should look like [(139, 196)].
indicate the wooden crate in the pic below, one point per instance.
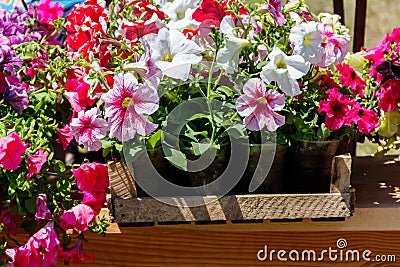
[(339, 203)]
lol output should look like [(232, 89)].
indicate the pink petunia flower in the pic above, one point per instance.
[(78, 95), (88, 129), (337, 109), (335, 46), (126, 105), (275, 9), (42, 249), (76, 254), (349, 78), (92, 177), (11, 149), (64, 136), (36, 161), (367, 120), (259, 106), (389, 95), (94, 199), (8, 219), (42, 210), (77, 217), (47, 11)]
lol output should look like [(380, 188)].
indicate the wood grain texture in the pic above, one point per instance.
[(338, 204), (176, 247), (240, 207), (122, 183)]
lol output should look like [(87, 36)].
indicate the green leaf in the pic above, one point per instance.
[(176, 157), (155, 139), (119, 147), (237, 131), (59, 166), (226, 90), (323, 133), (199, 148), (390, 124), (30, 204)]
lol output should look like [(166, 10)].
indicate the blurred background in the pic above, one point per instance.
[(382, 17)]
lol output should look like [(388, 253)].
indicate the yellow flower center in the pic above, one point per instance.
[(180, 14), (308, 40), (280, 64), (168, 58), (127, 102), (262, 100)]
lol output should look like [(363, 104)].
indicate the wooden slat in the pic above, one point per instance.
[(359, 24), (240, 207), (338, 8), (191, 248)]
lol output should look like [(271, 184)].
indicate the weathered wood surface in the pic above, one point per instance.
[(374, 226), (337, 204), (241, 207), (122, 183), (188, 248)]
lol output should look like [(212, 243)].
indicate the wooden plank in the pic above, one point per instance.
[(239, 207), (338, 8), (187, 247), (359, 24), (122, 183), (341, 173)]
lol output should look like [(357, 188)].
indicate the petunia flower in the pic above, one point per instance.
[(126, 104), (47, 11), (337, 108), (79, 95), (8, 59), (274, 8), (91, 177), (173, 53), (42, 210), (16, 94), (389, 95), (349, 78), (76, 254), (335, 46), (259, 106), (94, 199), (133, 31), (42, 249), (228, 56), (88, 129), (367, 120), (284, 70), (36, 161), (77, 217), (64, 136), (307, 41), (11, 150)]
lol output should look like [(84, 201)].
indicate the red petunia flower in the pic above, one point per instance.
[(349, 78)]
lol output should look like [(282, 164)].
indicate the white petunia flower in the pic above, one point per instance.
[(284, 70), (228, 56), (177, 9), (307, 41), (173, 53)]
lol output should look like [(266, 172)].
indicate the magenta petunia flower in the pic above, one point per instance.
[(259, 106), (92, 177), (42, 249), (64, 136), (36, 161), (94, 199), (337, 108), (47, 11), (77, 217), (88, 129), (126, 105), (11, 149), (42, 210), (275, 9), (76, 254), (389, 95), (367, 120), (349, 78)]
